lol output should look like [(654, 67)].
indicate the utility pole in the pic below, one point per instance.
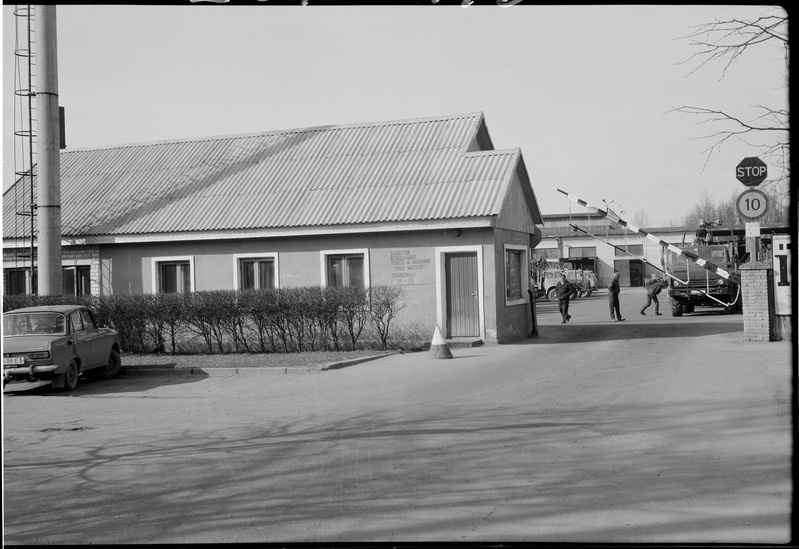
[(49, 161)]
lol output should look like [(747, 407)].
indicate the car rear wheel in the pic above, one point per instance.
[(113, 367), (71, 377)]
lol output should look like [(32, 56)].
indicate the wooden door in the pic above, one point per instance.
[(463, 296)]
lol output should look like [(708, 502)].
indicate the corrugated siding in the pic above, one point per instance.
[(365, 173)]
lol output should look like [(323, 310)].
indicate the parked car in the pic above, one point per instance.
[(57, 343)]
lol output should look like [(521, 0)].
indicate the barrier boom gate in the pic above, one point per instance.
[(668, 274), (712, 267)]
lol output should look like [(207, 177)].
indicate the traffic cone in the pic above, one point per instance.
[(438, 347)]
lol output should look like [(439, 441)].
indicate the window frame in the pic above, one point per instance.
[(581, 250), (86, 315), (237, 267), (323, 257), (79, 265), (627, 251), (27, 282), (31, 284), (546, 253), (158, 261), (524, 277), (71, 322)]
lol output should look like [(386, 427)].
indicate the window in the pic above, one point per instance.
[(546, 253), (346, 268), (75, 322), (77, 280), (173, 275), (585, 251), (256, 272), (513, 262), (634, 249), (88, 321), (18, 281), (516, 274)]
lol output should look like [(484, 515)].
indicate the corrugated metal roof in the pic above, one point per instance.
[(407, 170)]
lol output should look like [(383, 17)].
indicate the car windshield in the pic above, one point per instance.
[(16, 324)]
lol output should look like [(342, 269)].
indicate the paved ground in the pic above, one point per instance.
[(656, 429)]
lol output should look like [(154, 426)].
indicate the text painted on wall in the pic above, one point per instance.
[(407, 267)]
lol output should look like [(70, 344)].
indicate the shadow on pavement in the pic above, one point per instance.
[(284, 475), (611, 331), (92, 387)]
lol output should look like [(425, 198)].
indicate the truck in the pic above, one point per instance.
[(693, 285)]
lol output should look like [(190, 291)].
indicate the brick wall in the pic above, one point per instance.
[(72, 253), (758, 301), (69, 256)]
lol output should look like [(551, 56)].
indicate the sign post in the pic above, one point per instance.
[(752, 204)]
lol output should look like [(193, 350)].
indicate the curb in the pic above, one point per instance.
[(351, 362), (135, 371)]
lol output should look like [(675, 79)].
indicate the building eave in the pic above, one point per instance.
[(296, 232)]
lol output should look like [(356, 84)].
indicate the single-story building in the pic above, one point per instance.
[(426, 204)]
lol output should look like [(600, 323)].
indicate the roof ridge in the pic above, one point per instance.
[(290, 178), (400, 121)]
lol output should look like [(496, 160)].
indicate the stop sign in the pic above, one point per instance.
[(751, 171)]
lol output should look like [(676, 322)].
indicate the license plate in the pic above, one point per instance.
[(14, 360)]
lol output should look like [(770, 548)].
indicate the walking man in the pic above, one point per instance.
[(653, 287), (613, 297), (564, 289)]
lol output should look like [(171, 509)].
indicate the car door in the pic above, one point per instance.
[(81, 341), (94, 337)]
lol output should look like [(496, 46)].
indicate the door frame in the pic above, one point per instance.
[(441, 285)]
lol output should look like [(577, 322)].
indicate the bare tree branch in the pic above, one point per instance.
[(768, 121), (726, 41)]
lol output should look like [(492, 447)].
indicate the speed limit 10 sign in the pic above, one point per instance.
[(752, 204)]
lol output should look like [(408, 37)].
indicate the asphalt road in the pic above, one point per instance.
[(657, 429)]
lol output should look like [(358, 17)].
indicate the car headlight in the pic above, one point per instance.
[(720, 281), (39, 355)]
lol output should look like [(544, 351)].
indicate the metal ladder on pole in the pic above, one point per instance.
[(24, 128)]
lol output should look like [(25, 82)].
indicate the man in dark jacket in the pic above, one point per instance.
[(564, 289), (653, 287), (613, 297)]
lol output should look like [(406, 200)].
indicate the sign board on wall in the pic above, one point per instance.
[(752, 228), (781, 261), (412, 266)]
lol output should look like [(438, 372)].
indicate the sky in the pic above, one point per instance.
[(586, 92)]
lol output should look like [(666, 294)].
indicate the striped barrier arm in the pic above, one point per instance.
[(678, 279), (671, 247)]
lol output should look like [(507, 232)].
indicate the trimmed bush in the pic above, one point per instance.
[(284, 320)]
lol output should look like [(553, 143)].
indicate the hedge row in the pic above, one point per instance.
[(222, 321)]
